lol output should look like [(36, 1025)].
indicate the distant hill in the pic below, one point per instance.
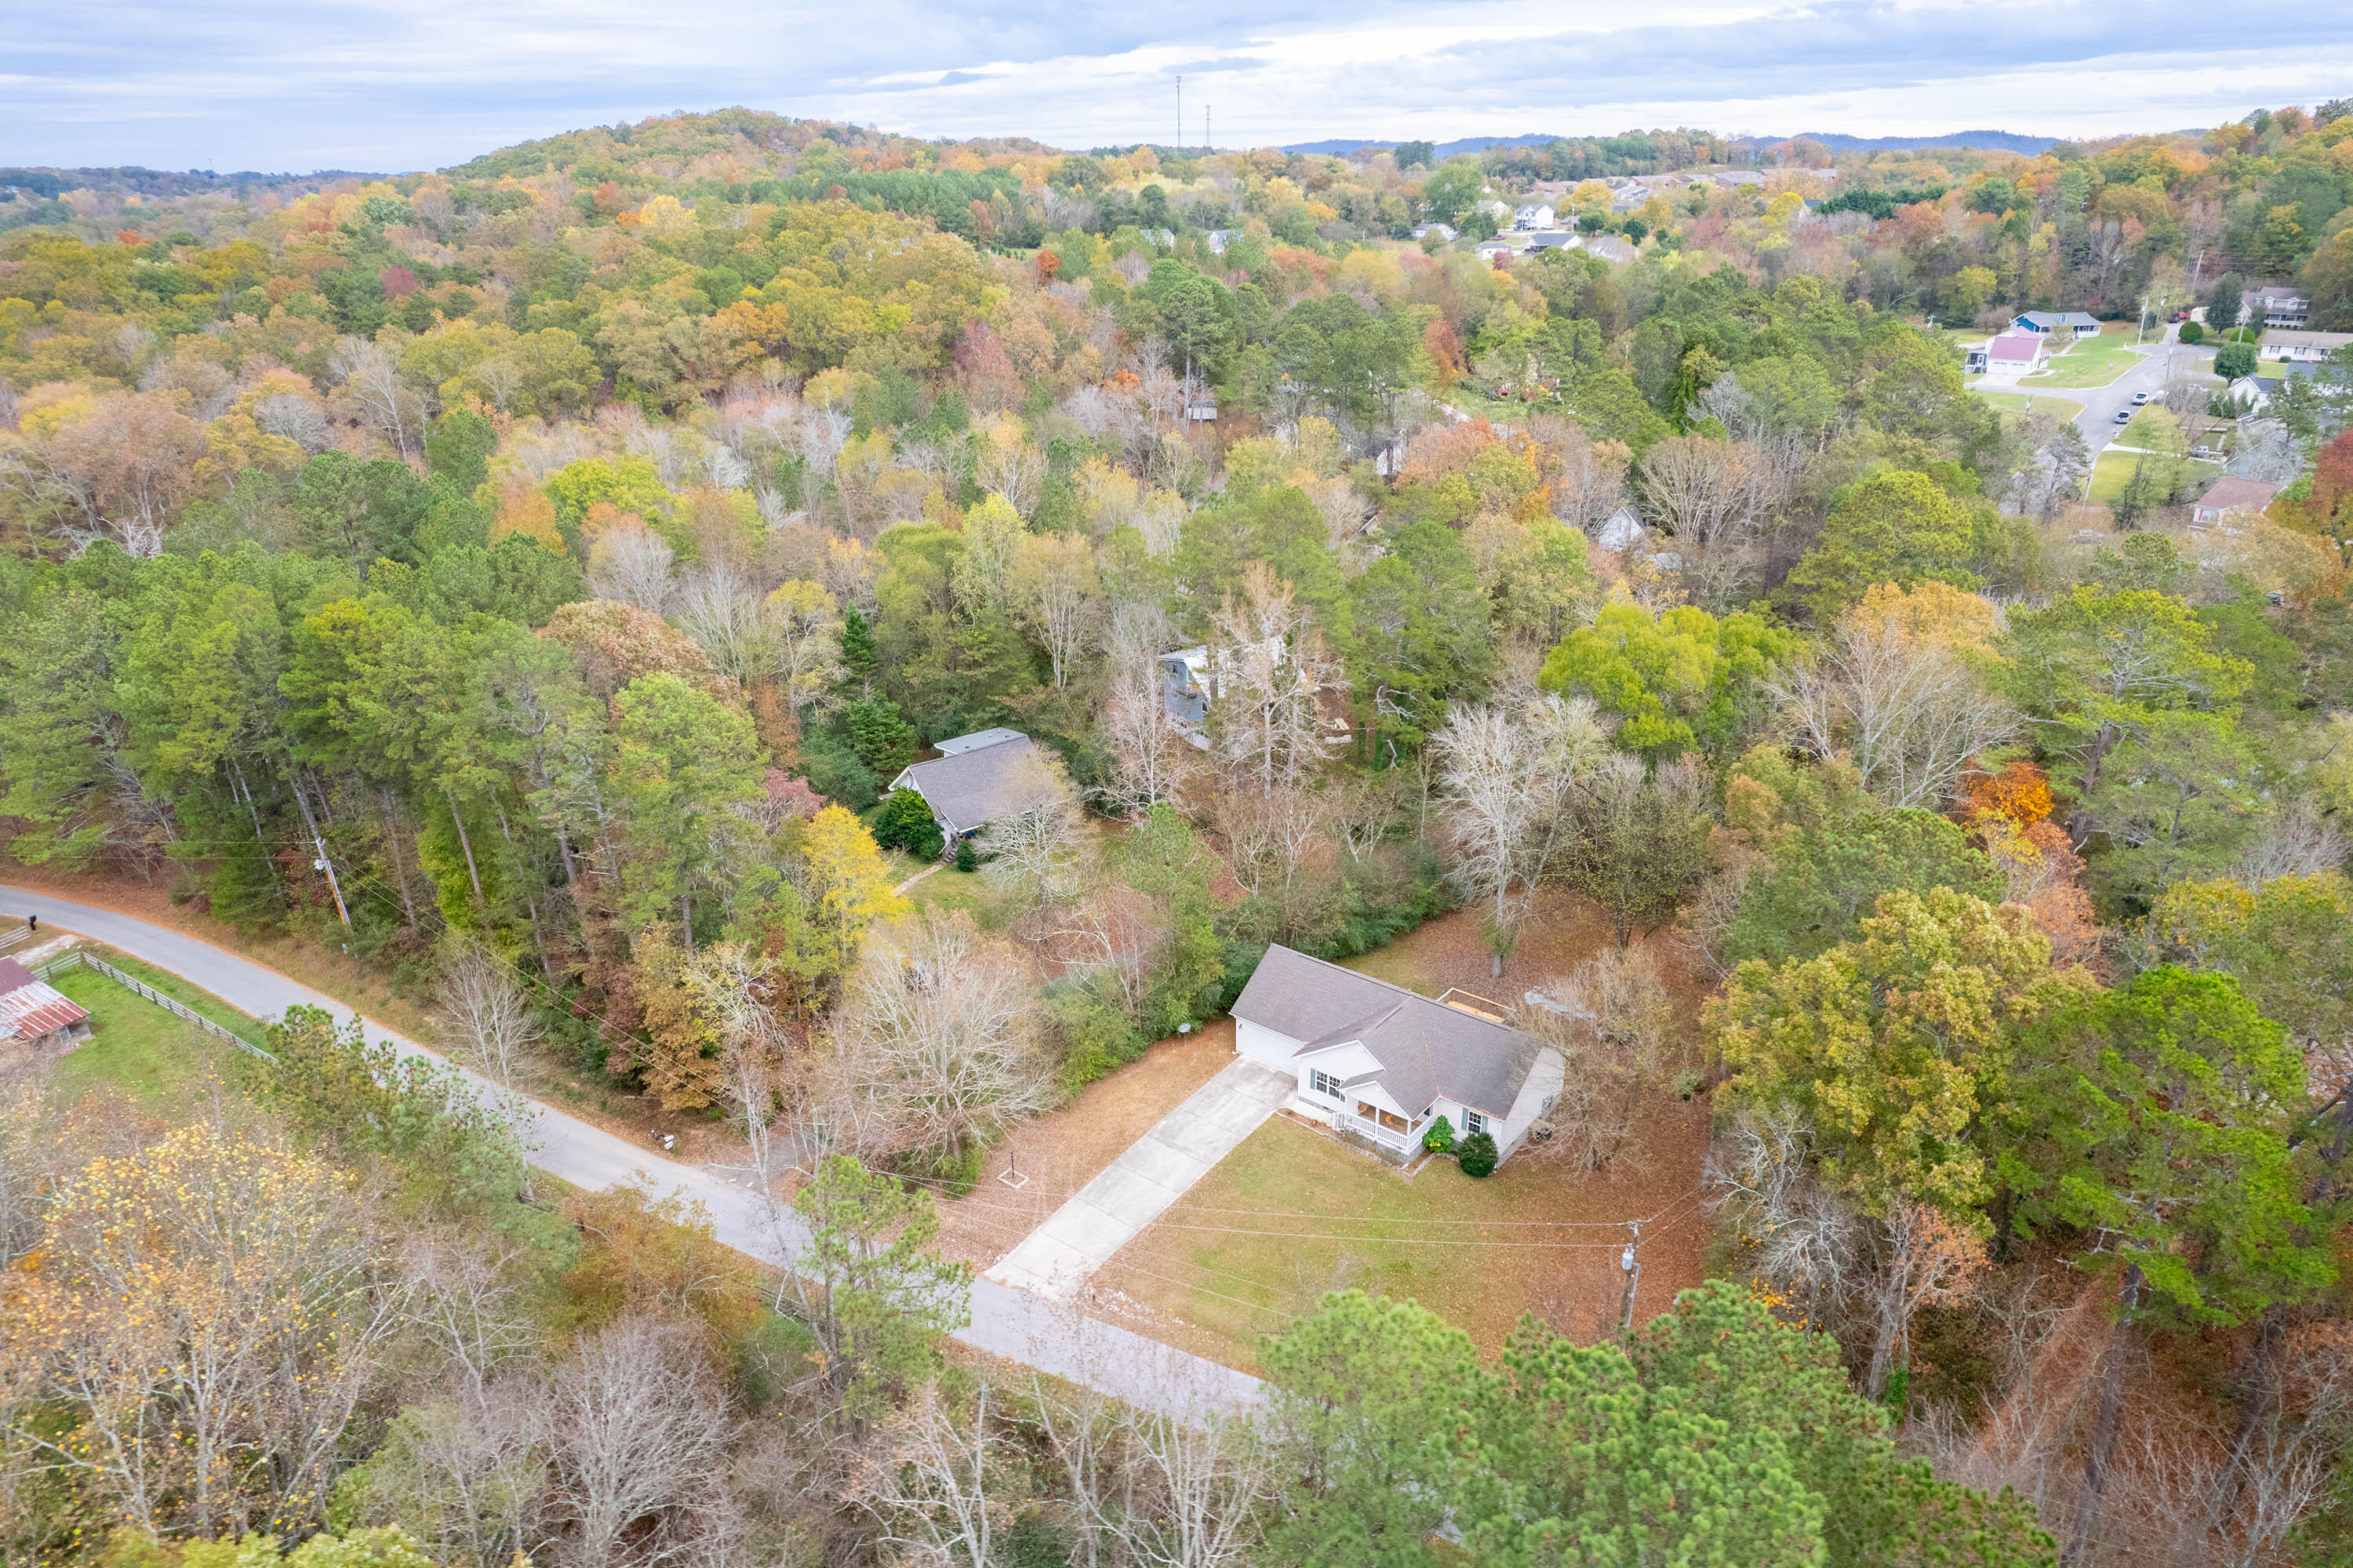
[(1339, 146), (157, 183), (1990, 141), (1985, 141)]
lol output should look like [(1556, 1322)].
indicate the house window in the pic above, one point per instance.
[(1323, 1083), (1473, 1123)]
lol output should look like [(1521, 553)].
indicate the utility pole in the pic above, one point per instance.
[(1208, 140), (1631, 1262), (1180, 113)]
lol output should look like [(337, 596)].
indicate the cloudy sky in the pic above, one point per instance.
[(409, 84)]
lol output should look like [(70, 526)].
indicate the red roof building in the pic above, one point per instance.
[(34, 1015)]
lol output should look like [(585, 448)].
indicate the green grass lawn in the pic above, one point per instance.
[(151, 1056), (2092, 362), (1250, 1245), (2013, 404), (180, 990)]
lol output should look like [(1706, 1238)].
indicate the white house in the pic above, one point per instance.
[(1444, 231), (976, 780), (2277, 307), (2063, 324), (1217, 239), (1382, 1064), (1533, 214), (2229, 495), (1488, 250), (2301, 347), (2011, 356)]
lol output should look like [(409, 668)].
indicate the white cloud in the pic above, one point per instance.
[(380, 84)]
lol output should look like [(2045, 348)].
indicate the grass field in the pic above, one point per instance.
[(2013, 404), (2092, 361), (151, 1056), (1293, 1213)]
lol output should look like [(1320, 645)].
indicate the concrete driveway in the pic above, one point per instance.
[(1056, 1259), (1004, 1322)]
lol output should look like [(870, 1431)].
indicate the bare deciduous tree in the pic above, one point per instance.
[(492, 1023), (639, 1434), (1268, 669), (945, 1481), (1922, 1259), (1038, 855), (1506, 777), (629, 564), (1906, 708), (1058, 595), (1612, 1020), (371, 389), (936, 1048)]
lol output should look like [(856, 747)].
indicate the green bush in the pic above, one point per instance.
[(905, 823), (1477, 1156), (967, 859), (2192, 332), (1440, 1139)]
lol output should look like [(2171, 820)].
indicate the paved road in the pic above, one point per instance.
[(1006, 1322), (2161, 360), (1133, 1190)]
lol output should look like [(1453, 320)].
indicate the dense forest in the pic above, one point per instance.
[(530, 579)]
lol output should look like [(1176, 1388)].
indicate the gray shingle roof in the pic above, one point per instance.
[(1426, 1048), (972, 789)]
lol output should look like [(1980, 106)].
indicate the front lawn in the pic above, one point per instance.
[(2090, 362), (156, 1058), (2015, 404), (1293, 1213)]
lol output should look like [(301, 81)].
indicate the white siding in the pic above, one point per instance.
[(1536, 1096), (1262, 1043)]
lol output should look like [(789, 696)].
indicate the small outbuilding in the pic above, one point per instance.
[(37, 1020)]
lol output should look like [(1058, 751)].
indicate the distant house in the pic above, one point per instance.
[(1489, 249), (37, 1020), (1500, 211), (1533, 214), (2301, 347), (1608, 246), (1382, 1064), (2275, 306), (1444, 231), (2062, 324), (2230, 495), (2013, 354), (1622, 529), (1193, 680), (976, 780), (1201, 408), (1217, 239)]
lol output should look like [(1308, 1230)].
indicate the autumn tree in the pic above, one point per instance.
[(1896, 1045), (208, 1313), (1506, 788)]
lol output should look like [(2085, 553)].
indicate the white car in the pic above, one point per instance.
[(2139, 399)]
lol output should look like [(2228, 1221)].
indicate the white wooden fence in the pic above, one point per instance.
[(77, 959)]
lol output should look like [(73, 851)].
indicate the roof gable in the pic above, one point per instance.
[(973, 787), (1426, 1050)]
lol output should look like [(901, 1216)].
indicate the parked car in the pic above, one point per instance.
[(2139, 399), (2123, 416)]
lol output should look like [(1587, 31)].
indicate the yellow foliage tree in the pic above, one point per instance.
[(848, 882)]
